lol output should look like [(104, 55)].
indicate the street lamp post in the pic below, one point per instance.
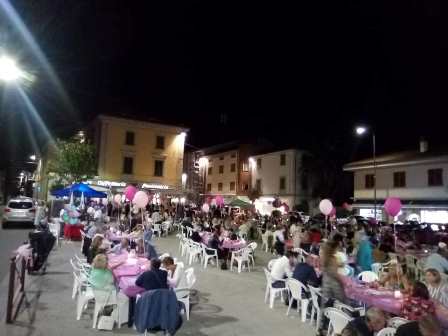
[(360, 130)]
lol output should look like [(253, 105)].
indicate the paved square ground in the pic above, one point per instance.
[(224, 304)]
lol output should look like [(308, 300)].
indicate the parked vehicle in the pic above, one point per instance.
[(19, 210)]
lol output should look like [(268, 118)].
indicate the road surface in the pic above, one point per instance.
[(10, 239)]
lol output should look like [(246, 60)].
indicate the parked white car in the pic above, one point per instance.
[(20, 209)]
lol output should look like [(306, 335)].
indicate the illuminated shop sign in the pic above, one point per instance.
[(155, 186)]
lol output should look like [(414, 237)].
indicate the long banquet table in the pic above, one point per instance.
[(226, 242), (127, 273), (385, 299)]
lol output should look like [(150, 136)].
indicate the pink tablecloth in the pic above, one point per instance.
[(112, 236), (385, 300), (227, 243), (127, 273)]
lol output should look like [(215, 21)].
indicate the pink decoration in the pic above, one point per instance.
[(141, 199), (130, 192), (325, 206), (332, 212), (219, 200), (392, 206)]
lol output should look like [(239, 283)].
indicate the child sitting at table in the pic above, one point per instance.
[(418, 304)]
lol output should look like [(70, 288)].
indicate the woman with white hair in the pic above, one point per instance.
[(100, 276), (438, 289), (438, 259)]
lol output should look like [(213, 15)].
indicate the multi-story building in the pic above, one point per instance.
[(279, 174), (418, 178), (144, 153), (224, 169)]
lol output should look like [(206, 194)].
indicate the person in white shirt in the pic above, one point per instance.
[(175, 273), (279, 240), (282, 268)]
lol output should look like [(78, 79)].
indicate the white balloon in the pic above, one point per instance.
[(325, 206), (117, 198), (205, 207)]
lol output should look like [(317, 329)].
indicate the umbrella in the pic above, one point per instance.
[(240, 203), (78, 189), (82, 201), (71, 198)]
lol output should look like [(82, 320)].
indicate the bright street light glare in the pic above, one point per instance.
[(183, 134), (33, 157), (360, 130), (9, 71)]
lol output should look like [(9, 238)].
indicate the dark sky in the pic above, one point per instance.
[(293, 73)]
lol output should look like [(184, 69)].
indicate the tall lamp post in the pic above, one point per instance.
[(361, 130)]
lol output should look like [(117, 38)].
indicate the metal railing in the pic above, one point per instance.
[(16, 290)]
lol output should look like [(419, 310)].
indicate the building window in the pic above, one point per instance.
[(210, 170), (233, 155), (219, 186), (399, 179), (232, 167), (245, 167), (221, 169), (258, 163), (282, 159), (232, 186), (370, 181), (209, 187), (130, 138), (435, 177), (128, 165), (258, 185), (160, 142), (221, 157), (245, 187), (282, 183), (158, 168)]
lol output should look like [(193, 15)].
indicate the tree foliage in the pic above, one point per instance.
[(73, 161)]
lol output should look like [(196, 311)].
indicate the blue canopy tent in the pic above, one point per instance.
[(79, 189)]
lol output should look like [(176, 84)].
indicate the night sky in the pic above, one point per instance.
[(295, 74)]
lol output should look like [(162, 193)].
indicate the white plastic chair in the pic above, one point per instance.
[(338, 320), (367, 276), (241, 257), (157, 228), (387, 332), (102, 299), (78, 280), (297, 292), (271, 292), (395, 322), (194, 251), (315, 311), (122, 315), (183, 294), (207, 256), (252, 247), (85, 294), (265, 240), (376, 268)]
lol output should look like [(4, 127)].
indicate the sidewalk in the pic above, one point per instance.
[(227, 303)]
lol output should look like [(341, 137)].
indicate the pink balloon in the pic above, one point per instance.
[(325, 206), (392, 206), (141, 199), (130, 192), (219, 200), (205, 207)]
